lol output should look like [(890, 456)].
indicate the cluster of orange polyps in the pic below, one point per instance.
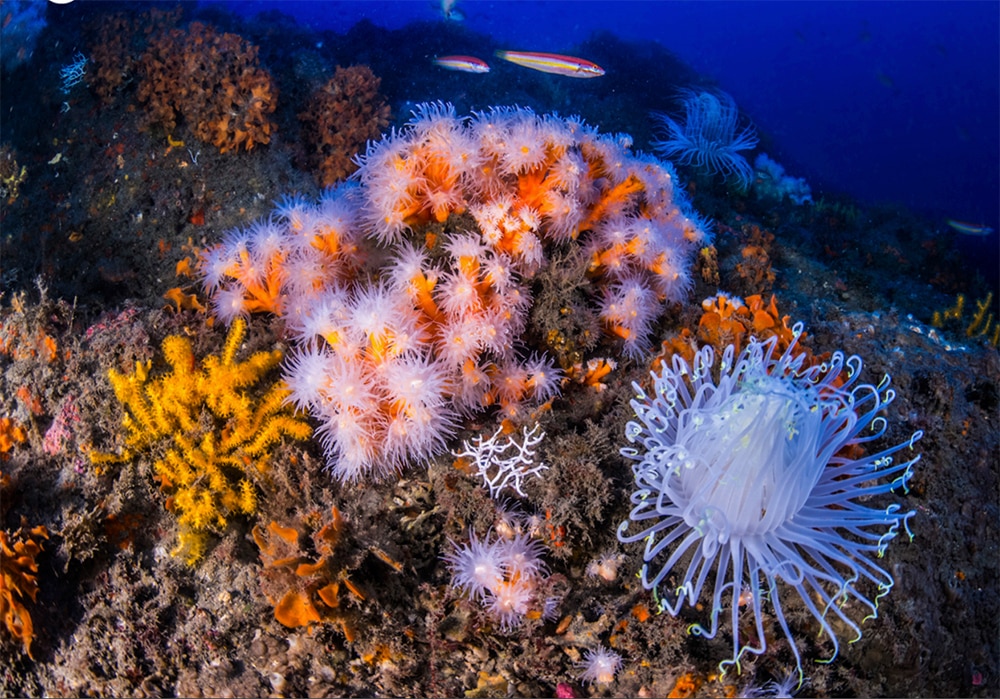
[(339, 119), (213, 81)]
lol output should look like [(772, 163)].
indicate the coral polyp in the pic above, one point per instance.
[(752, 481)]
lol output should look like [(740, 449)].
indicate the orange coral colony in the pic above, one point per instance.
[(728, 320), (210, 81), (10, 434), (339, 119), (388, 363)]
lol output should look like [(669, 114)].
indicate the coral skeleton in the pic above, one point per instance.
[(753, 480), (508, 462)]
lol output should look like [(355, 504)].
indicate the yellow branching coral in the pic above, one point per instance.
[(980, 325), (219, 432)]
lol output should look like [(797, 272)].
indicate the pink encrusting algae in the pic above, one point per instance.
[(400, 336)]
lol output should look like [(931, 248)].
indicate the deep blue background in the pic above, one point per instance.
[(885, 101)]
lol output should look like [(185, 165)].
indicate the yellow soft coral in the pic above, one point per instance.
[(980, 325), (220, 431)]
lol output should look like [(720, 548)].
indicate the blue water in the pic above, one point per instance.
[(887, 102)]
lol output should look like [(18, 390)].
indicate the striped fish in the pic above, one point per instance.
[(553, 63), (466, 64), (969, 228)]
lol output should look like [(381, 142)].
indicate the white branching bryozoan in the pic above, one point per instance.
[(506, 463)]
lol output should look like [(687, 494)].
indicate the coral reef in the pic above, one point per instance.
[(339, 119), (210, 467), (517, 241), (211, 82)]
